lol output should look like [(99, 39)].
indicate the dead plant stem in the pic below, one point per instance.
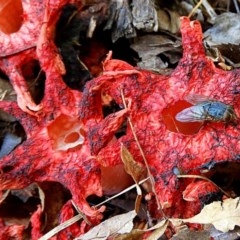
[(143, 156)]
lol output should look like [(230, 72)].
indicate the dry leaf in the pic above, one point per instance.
[(150, 46), (117, 224), (223, 215), (120, 20), (135, 169), (3, 195), (159, 230), (133, 235)]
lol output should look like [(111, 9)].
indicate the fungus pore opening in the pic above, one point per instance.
[(186, 128), (66, 133), (11, 16)]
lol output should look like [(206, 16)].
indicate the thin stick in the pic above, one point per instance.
[(236, 6), (122, 192), (143, 156), (195, 8), (61, 227), (80, 213)]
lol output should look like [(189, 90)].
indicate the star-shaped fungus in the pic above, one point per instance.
[(170, 147)]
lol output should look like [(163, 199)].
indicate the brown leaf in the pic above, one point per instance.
[(135, 169)]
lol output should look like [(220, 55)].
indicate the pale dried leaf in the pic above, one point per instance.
[(60, 227), (176, 222), (223, 215), (118, 224), (158, 225), (42, 197)]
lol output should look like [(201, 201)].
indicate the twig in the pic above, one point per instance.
[(61, 227), (80, 213), (212, 14), (236, 6), (195, 8), (143, 156), (122, 192)]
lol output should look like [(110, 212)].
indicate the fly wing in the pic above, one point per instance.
[(197, 99), (191, 114)]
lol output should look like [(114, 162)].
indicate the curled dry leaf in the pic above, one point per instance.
[(223, 215), (118, 224), (136, 170), (153, 233), (120, 20)]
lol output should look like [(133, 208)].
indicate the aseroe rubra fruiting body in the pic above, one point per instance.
[(42, 158)]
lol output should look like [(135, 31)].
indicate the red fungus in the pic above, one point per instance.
[(148, 97)]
